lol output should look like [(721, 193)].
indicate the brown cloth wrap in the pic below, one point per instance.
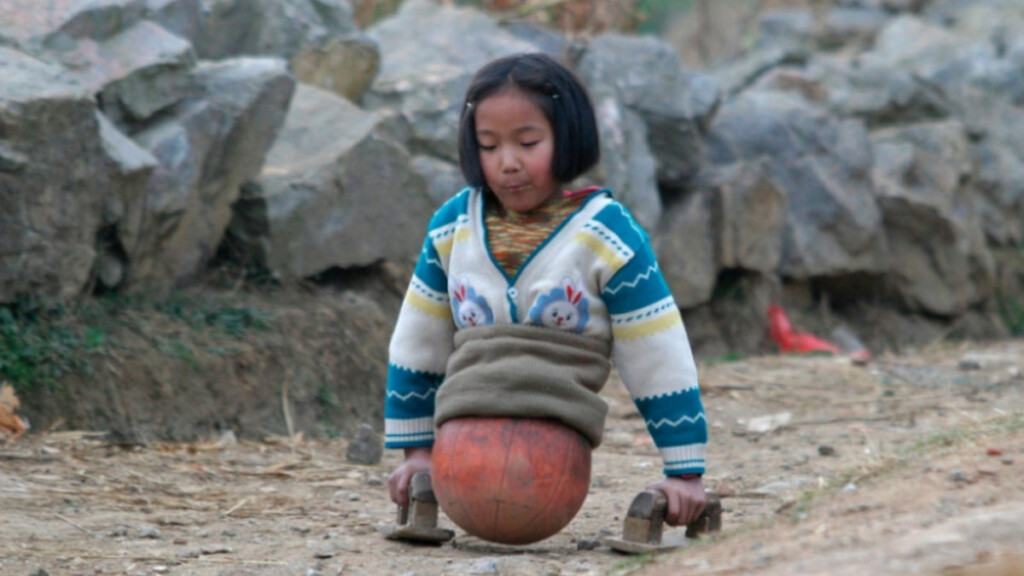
[(526, 372)]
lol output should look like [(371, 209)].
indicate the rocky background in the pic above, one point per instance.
[(863, 159)]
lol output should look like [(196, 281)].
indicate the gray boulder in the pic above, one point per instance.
[(686, 252), (319, 38), (627, 166), (207, 148), (822, 164), (937, 258), (59, 25), (335, 192), (879, 95), (182, 17), (133, 54), (645, 76), (136, 73), (1000, 201), (749, 215), (443, 178), (429, 53), (54, 177), (812, 29)]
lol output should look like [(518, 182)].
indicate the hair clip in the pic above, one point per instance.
[(554, 96), (469, 105)]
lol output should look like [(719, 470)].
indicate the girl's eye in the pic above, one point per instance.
[(530, 144), (487, 148)]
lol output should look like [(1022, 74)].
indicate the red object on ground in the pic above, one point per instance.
[(789, 341), (510, 480)]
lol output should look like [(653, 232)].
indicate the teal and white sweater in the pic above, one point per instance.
[(596, 276)]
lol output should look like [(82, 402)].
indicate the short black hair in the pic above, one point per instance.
[(556, 91)]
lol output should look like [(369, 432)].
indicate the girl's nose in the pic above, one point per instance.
[(509, 162)]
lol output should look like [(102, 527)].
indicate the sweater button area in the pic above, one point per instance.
[(512, 292)]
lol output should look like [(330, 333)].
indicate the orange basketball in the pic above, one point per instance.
[(510, 480)]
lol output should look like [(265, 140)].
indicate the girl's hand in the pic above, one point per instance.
[(686, 499), (416, 460)]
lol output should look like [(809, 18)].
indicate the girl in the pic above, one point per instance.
[(523, 293)]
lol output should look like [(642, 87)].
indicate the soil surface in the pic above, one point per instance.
[(908, 465)]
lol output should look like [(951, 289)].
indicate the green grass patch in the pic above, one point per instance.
[(1012, 314), (41, 342)]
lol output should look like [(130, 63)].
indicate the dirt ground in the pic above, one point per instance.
[(909, 465)]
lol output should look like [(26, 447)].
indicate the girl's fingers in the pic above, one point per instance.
[(398, 486), (674, 505)]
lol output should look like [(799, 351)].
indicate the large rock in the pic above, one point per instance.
[(822, 164), (999, 21), (938, 261), (749, 215), (443, 178), (207, 148), (879, 95), (182, 17), (803, 28), (54, 176), (1000, 202), (429, 53), (627, 166), (119, 50), (643, 76), (336, 192), (137, 72), (685, 249), (59, 24), (319, 38)]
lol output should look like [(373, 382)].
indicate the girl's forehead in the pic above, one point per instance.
[(511, 92), (509, 111)]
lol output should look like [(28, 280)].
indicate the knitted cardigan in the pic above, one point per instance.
[(596, 277)]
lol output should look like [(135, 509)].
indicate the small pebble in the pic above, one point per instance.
[(969, 364), (366, 447), (824, 450), (960, 477), (150, 532)]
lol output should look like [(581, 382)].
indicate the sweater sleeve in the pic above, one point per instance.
[(421, 343), (653, 356)]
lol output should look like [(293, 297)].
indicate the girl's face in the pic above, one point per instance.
[(517, 145)]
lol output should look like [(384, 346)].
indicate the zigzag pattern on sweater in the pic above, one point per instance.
[(412, 394), (681, 420), (643, 276)]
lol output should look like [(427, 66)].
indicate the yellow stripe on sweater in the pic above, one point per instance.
[(444, 247), (609, 256), (428, 307), (648, 328)]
